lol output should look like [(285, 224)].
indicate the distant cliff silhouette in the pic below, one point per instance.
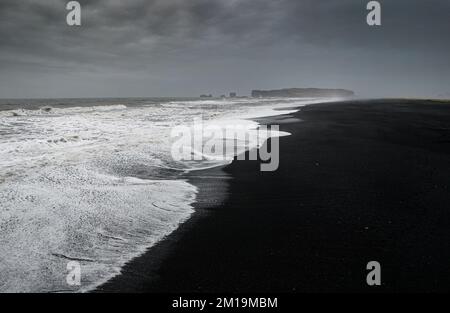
[(303, 93)]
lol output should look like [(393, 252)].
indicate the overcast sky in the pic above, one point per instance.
[(189, 47)]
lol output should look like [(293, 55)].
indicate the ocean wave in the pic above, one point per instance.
[(99, 220), (48, 110)]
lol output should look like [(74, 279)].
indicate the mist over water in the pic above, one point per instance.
[(93, 180)]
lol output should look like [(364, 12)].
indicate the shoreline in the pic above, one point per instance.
[(347, 195), (208, 198), (142, 269)]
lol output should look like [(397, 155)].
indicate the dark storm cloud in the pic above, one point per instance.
[(162, 47)]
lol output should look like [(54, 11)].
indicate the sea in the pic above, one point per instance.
[(93, 181)]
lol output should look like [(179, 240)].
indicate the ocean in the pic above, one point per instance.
[(94, 181)]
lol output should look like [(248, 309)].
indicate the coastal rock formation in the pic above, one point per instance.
[(303, 93)]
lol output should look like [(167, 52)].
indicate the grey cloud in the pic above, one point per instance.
[(165, 47)]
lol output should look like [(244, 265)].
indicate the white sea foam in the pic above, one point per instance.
[(97, 184)]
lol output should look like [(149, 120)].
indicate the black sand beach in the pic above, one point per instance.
[(358, 181)]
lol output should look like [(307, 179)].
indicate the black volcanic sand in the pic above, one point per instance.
[(358, 181)]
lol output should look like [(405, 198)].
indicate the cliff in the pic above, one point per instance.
[(303, 93)]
